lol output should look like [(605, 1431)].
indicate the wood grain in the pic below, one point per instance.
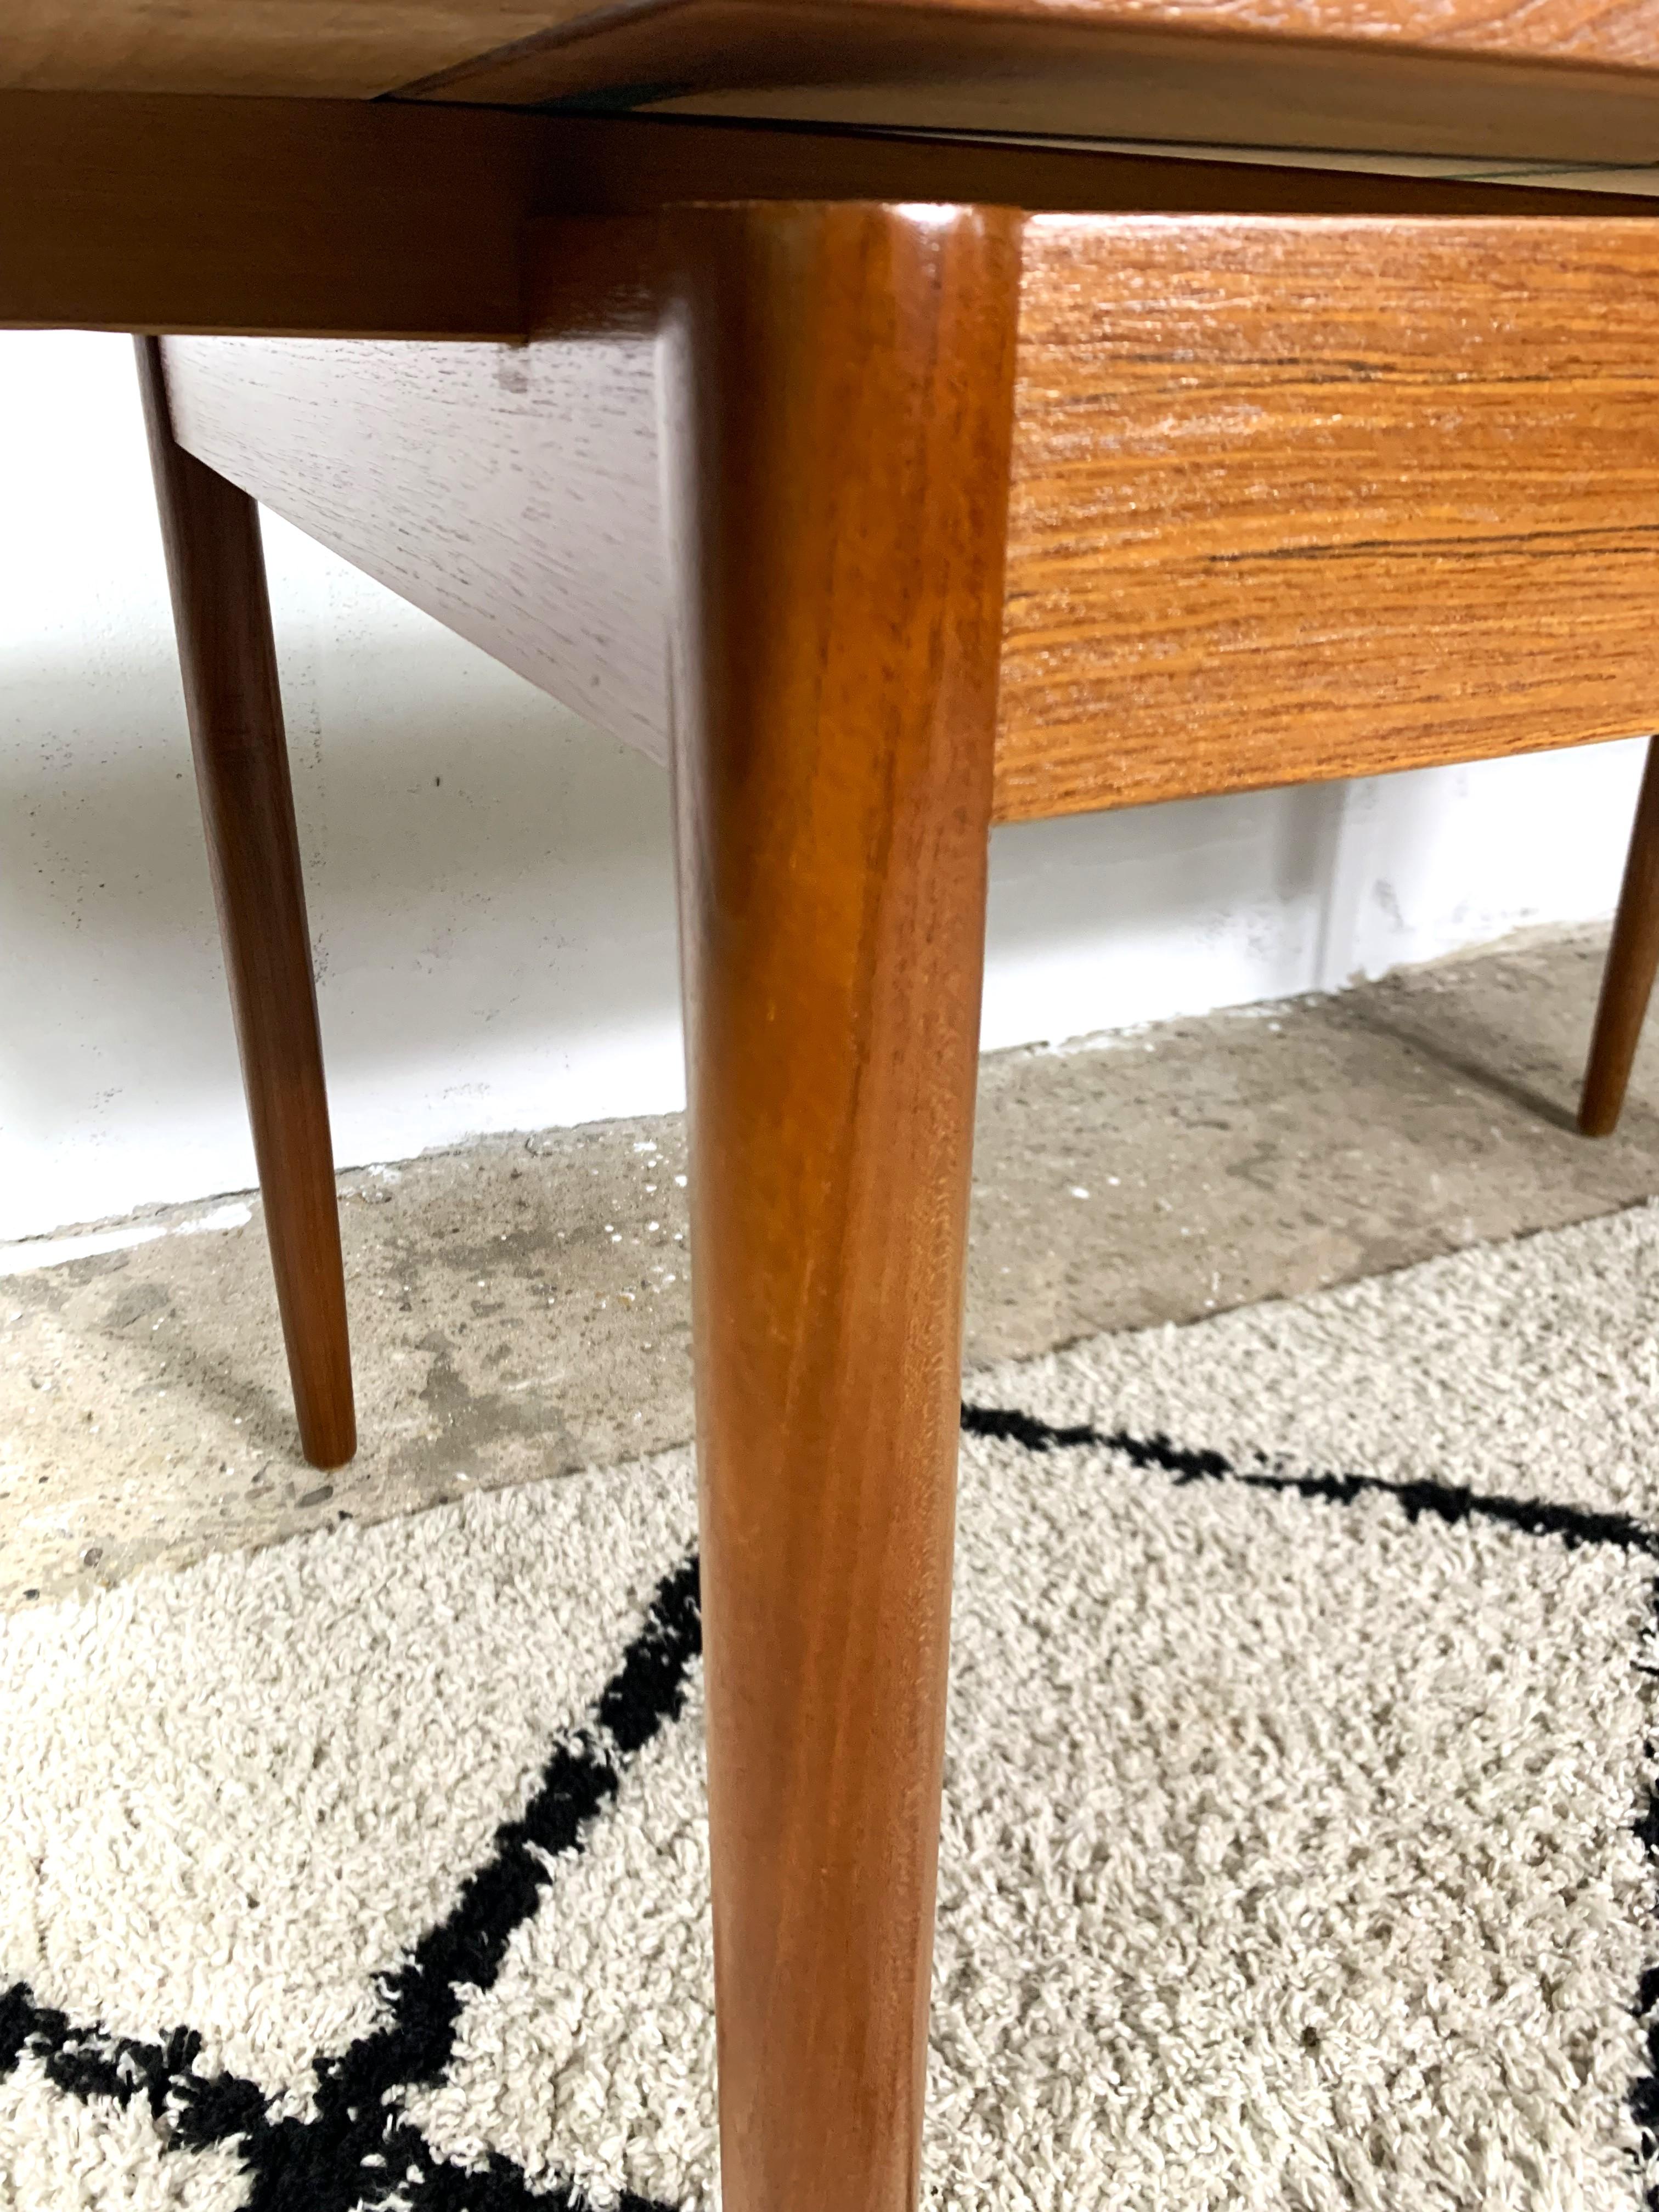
[(511, 491), (228, 661), (1558, 79), (1291, 498), (1549, 82), (295, 216), (364, 47), (1303, 499), (838, 402), (348, 48), (1615, 32), (1633, 962)]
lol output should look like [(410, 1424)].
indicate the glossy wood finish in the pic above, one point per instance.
[(216, 571), (1304, 499), (1633, 962), (838, 402), (262, 215), (1291, 499), (1541, 80), (635, 164), (273, 216), (355, 48), (1613, 32), (1554, 79), (369, 46)]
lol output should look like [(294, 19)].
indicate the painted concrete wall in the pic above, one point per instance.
[(490, 880)]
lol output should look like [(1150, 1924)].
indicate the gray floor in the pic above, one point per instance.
[(520, 1307)]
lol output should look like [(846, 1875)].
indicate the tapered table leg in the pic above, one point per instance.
[(1633, 960), (838, 398), (222, 616)]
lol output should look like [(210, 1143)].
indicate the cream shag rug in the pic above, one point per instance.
[(1296, 1835)]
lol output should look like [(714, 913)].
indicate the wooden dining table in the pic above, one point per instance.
[(878, 412)]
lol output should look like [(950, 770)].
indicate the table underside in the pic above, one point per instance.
[(1317, 472), (1573, 79), (1290, 497)]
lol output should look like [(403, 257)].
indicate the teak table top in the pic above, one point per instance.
[(1546, 79)]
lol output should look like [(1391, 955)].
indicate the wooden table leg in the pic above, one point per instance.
[(1632, 959), (216, 571), (838, 398)]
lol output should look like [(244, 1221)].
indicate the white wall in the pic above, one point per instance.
[(489, 879)]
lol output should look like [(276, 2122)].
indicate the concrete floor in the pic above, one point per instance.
[(520, 1307)]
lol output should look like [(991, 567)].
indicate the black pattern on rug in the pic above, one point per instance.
[(357, 2153), (356, 2150)]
